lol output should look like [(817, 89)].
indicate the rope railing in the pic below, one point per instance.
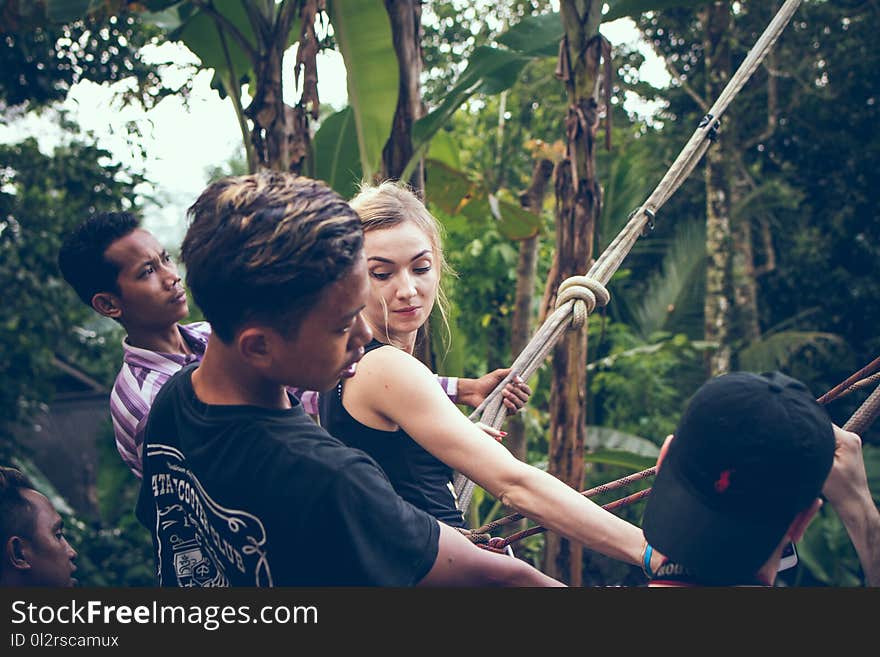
[(841, 388), (861, 384), (865, 414), (592, 492), (860, 420), (587, 292)]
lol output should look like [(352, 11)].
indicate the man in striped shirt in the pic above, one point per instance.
[(144, 372), (121, 271)]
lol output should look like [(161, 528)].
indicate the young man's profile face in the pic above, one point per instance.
[(150, 290), (47, 551), (331, 337)]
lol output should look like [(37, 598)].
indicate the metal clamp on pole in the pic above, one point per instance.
[(712, 133), (651, 215)]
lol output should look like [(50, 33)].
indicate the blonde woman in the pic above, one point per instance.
[(393, 409)]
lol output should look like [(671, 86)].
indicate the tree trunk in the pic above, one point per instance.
[(577, 208), (745, 273), (520, 327), (715, 21), (273, 120), (406, 24), (280, 134), (745, 284), (406, 28)]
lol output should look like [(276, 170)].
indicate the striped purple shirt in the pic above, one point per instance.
[(143, 374)]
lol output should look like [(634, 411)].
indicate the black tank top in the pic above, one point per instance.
[(417, 475)]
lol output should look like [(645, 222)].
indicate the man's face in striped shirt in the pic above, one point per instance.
[(151, 294)]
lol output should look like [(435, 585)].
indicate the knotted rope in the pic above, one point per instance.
[(586, 293), (491, 412)]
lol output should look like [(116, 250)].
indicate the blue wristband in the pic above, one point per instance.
[(646, 564)]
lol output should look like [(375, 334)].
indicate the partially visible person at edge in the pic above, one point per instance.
[(417, 435), (35, 550), (123, 272), (846, 489), (232, 463), (742, 477)]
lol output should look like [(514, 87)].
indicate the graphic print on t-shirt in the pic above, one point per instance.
[(200, 541)]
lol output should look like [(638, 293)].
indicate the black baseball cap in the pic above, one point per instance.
[(751, 452)]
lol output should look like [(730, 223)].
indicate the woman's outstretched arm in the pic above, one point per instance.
[(392, 387)]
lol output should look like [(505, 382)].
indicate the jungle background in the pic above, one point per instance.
[(463, 99)]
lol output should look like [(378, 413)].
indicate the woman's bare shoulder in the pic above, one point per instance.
[(389, 360)]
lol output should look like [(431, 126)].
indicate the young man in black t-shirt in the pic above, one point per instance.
[(240, 488)]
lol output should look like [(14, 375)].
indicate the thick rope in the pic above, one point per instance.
[(867, 382), (592, 492), (865, 414), (841, 388), (611, 506), (569, 313)]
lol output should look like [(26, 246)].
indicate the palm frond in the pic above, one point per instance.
[(626, 181), (776, 351), (768, 196), (668, 294), (42, 483), (608, 438)]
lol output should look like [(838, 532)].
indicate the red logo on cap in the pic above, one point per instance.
[(723, 482)]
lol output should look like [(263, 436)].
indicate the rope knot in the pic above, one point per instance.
[(475, 536), (586, 292)]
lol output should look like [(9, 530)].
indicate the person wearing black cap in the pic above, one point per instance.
[(740, 478)]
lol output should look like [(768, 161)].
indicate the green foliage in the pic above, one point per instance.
[(41, 198), (768, 196), (612, 447), (445, 149), (40, 61), (492, 70), (641, 389), (802, 178), (234, 166), (531, 111), (825, 552), (621, 8), (671, 295), (627, 174), (40, 482), (482, 292), (236, 39), (489, 70), (539, 34), (453, 28), (829, 247), (213, 46), (116, 550), (777, 351), (455, 193), (363, 34), (116, 555), (336, 155)]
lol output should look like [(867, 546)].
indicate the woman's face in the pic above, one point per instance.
[(403, 278)]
